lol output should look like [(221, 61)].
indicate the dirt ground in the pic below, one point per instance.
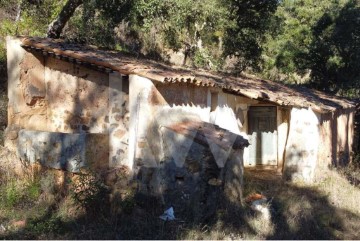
[(327, 209), (33, 209)]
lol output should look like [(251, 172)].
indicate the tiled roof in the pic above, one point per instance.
[(251, 87)]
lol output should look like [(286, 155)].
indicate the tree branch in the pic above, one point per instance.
[(56, 27)]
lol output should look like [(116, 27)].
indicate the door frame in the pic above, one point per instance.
[(264, 166)]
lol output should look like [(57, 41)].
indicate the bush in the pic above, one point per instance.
[(16, 192), (12, 194), (90, 193)]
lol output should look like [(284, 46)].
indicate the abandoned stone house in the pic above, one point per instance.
[(72, 106)]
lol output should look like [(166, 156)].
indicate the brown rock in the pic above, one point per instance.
[(12, 135), (141, 144), (19, 224), (119, 133)]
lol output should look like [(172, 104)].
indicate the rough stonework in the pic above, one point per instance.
[(174, 130), (50, 95), (189, 177)]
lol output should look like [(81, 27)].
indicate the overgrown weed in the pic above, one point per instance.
[(324, 210)]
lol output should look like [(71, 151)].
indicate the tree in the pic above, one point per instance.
[(207, 31), (289, 37), (192, 26), (316, 43), (245, 37), (334, 56), (56, 27)]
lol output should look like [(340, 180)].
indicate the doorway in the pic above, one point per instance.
[(262, 133)]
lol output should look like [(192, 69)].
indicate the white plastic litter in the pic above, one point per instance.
[(168, 215), (261, 205)]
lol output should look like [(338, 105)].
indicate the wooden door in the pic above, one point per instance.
[(262, 135)]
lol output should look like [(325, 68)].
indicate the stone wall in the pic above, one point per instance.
[(26, 91), (51, 95), (169, 165), (189, 178), (77, 98), (69, 117)]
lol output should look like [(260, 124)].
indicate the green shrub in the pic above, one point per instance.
[(12, 194), (90, 193), (16, 192), (33, 191)]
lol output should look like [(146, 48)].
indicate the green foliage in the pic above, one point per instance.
[(128, 204), (193, 27), (244, 37), (197, 28), (47, 183), (206, 31), (33, 191), (15, 192), (12, 194), (202, 30), (48, 224), (334, 56), (94, 22), (302, 41), (316, 42), (90, 193), (34, 20), (7, 3), (285, 50)]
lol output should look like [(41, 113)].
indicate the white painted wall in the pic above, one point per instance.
[(140, 113), (302, 145), (224, 115), (15, 54)]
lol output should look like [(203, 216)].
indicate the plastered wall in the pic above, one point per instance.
[(317, 141), (230, 113), (302, 145), (26, 90), (168, 162), (50, 95), (336, 133)]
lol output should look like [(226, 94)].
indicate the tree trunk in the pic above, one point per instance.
[(18, 12), (56, 27)]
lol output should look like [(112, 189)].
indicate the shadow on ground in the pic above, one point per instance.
[(297, 212)]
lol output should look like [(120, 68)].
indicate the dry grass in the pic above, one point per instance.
[(328, 209), (325, 210)]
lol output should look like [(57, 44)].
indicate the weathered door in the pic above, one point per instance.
[(262, 135)]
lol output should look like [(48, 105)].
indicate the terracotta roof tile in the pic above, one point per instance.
[(251, 87)]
